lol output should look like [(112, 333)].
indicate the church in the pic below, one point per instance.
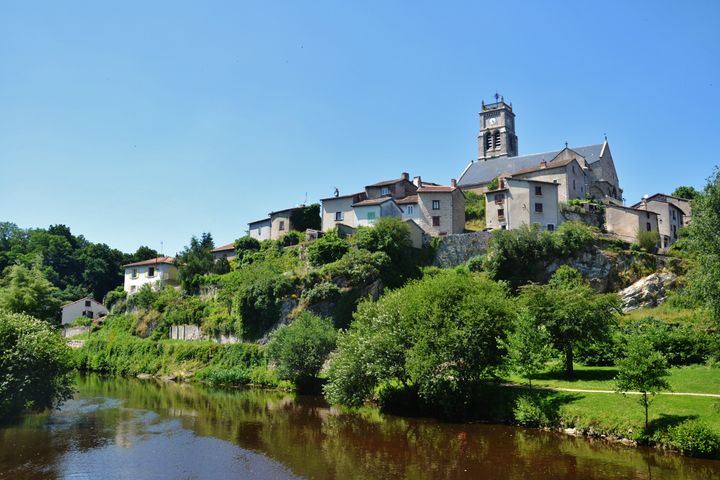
[(593, 170)]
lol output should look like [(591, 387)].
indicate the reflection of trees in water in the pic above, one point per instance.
[(320, 442)]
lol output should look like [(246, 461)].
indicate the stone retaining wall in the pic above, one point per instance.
[(456, 249)]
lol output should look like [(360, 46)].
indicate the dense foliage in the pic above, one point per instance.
[(391, 236), (26, 290), (34, 365), (76, 266), (519, 256), (326, 249), (307, 217), (300, 348), (194, 261), (686, 192), (439, 337)]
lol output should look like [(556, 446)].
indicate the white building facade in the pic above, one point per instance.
[(157, 272)]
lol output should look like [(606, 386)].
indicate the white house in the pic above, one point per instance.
[(226, 251), (85, 307), (157, 272), (260, 229)]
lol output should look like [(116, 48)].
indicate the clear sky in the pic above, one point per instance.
[(140, 122)]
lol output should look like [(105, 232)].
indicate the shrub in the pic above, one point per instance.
[(293, 237), (306, 217), (115, 298), (35, 364), (648, 241), (322, 292), (301, 348), (246, 244), (358, 267), (693, 438), (533, 410), (81, 321), (474, 206), (326, 249), (392, 236), (475, 264)]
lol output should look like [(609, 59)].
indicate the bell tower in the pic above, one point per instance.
[(497, 130)]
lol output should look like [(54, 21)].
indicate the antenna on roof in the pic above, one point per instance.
[(161, 248), (305, 198), (566, 144)]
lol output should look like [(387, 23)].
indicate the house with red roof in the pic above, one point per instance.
[(157, 272), (225, 251)]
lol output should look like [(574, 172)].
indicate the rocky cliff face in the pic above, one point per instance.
[(647, 292)]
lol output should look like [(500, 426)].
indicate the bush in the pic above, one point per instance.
[(475, 264), (81, 321), (245, 245), (392, 236), (293, 237), (301, 348), (322, 292), (648, 241), (115, 298), (693, 438), (35, 364), (326, 249), (533, 410), (358, 267), (474, 206)]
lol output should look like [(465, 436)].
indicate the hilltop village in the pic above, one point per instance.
[(542, 189)]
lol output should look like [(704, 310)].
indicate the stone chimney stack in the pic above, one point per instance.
[(543, 164), (405, 176), (417, 181), (453, 182)]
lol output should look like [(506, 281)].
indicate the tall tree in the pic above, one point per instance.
[(529, 346), (26, 290), (194, 261), (571, 311), (704, 246), (686, 192)]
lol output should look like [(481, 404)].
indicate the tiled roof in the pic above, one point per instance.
[(548, 166), (287, 210), (483, 171), (260, 221), (436, 188), (224, 248), (407, 200), (81, 300), (388, 182), (373, 201), (152, 261)]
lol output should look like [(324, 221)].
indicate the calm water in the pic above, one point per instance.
[(126, 428)]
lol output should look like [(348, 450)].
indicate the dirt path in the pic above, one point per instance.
[(585, 390)]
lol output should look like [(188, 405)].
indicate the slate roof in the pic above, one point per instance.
[(548, 166), (347, 195), (407, 200), (436, 188), (152, 261), (483, 171), (373, 201)]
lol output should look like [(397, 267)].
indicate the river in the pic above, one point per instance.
[(118, 428)]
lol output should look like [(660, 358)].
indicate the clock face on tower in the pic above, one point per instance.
[(491, 121)]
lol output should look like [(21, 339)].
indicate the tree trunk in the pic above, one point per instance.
[(645, 404), (569, 361)]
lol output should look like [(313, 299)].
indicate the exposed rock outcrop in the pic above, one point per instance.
[(454, 250), (650, 291)]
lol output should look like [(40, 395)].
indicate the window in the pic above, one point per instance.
[(87, 303), (574, 183), (503, 227), (338, 216), (647, 214), (497, 141), (674, 230), (499, 198), (573, 170), (133, 288), (538, 207), (501, 213), (436, 221), (151, 271), (371, 217), (134, 273), (281, 226), (665, 241), (648, 227), (538, 190), (488, 141), (673, 214), (436, 205), (551, 227), (384, 191), (409, 209)]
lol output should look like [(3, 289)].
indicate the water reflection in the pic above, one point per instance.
[(126, 428)]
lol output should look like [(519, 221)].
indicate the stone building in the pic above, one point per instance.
[(671, 218), (520, 201), (626, 223), (498, 155)]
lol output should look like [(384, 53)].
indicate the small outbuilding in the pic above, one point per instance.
[(85, 307)]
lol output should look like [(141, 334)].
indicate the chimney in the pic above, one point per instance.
[(405, 176), (501, 183), (543, 164), (453, 182), (417, 181)]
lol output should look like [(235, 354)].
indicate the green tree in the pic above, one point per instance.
[(26, 290), (686, 192), (704, 246), (392, 236), (571, 311), (649, 241), (326, 249), (35, 364), (194, 261), (301, 348), (529, 346), (643, 369), (142, 253), (246, 245), (474, 206), (306, 217)]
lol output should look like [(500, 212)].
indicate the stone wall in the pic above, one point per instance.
[(595, 218), (195, 333), (75, 331), (454, 250)]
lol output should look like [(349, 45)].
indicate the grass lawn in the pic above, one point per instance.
[(623, 415), (692, 379)]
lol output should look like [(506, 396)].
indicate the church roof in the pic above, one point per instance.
[(483, 171)]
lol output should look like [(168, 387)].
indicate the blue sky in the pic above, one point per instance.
[(140, 122)]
